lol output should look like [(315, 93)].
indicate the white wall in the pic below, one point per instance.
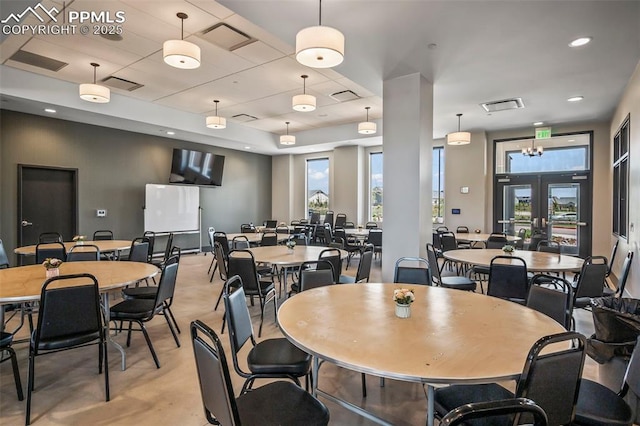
[(349, 181), (629, 104), (282, 188)]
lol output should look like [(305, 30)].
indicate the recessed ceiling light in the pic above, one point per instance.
[(50, 110), (171, 133), (538, 123), (571, 140), (580, 42), (247, 147), (575, 99)]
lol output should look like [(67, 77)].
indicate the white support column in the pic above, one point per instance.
[(282, 188), (408, 144)]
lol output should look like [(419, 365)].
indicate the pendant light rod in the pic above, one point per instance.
[(287, 123), (95, 66), (216, 102), (304, 84), (320, 13), (367, 108), (459, 115), (182, 17)]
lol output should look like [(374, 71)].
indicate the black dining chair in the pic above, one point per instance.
[(102, 235), (84, 252), (4, 259), (508, 278), (492, 412), (50, 237), (276, 403), (420, 274), (55, 250)]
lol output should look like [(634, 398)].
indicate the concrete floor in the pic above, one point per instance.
[(69, 391)]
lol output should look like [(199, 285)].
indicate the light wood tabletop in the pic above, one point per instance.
[(536, 261), (23, 283), (105, 246), (452, 336), (254, 237), (472, 236), (282, 256)]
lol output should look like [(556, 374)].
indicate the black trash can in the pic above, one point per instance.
[(617, 327)]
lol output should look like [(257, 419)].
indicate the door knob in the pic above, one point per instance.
[(26, 223)]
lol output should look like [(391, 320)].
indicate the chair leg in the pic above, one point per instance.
[(103, 345), (16, 372), (363, 378), (166, 317), (173, 319), (211, 264), (30, 381), (146, 336), (224, 321), (219, 298)]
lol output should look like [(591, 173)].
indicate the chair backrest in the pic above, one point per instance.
[(216, 388), (364, 267), (624, 274), (632, 375), (592, 277), (448, 241), (522, 233), (50, 237), (282, 229), (327, 234), (341, 219), (553, 296), (242, 263), (375, 237), (462, 230), (85, 252), (168, 247), (102, 235), (614, 250), (371, 225), (492, 409), (349, 225), (247, 228), (167, 284), (314, 219), (552, 379), (211, 230), (549, 246), (269, 239), (221, 237), (4, 260), (496, 240), (237, 315), (50, 250), (340, 236), (412, 274), (270, 223), (69, 307), (441, 229), (300, 239), (240, 242), (333, 256), (437, 244), (152, 241), (434, 269), (221, 259), (328, 218), (139, 250), (508, 278), (317, 273), (535, 240)]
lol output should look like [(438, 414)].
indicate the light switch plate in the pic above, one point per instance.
[(101, 213)]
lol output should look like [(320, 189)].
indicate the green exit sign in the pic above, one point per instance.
[(543, 132)]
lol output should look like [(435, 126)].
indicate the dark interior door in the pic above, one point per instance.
[(47, 202)]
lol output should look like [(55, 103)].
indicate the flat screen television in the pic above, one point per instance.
[(196, 167)]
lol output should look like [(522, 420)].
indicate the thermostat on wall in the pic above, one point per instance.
[(455, 211)]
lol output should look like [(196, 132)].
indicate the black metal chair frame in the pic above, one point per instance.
[(508, 281), (414, 275), (488, 409), (84, 252)]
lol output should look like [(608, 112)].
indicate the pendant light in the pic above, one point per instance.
[(367, 127), (304, 102), (287, 139), (216, 122), (318, 46), (532, 151), (459, 138), (179, 53), (93, 92)]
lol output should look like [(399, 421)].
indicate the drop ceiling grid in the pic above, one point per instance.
[(165, 11)]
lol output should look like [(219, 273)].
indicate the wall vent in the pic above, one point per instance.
[(503, 105), (243, 118), (39, 61), (121, 83), (345, 96), (227, 37)]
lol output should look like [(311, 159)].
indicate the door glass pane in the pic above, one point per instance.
[(516, 210), (564, 214)]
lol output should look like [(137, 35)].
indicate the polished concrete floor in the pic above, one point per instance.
[(68, 390)]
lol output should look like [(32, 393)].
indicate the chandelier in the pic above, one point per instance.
[(533, 151)]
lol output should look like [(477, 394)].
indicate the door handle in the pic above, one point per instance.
[(534, 222), (581, 223), (25, 223), (544, 222)]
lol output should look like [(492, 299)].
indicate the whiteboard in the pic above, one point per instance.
[(171, 208)]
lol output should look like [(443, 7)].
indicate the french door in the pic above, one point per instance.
[(556, 204)]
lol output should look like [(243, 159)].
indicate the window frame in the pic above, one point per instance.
[(620, 181), (306, 184), (370, 192), (441, 189)]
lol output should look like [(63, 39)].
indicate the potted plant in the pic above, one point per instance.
[(79, 239), (52, 266), (508, 249), (403, 297), (291, 244)]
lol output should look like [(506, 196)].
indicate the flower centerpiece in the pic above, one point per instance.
[(403, 297), (51, 265), (290, 244), (477, 231), (508, 249), (79, 239)]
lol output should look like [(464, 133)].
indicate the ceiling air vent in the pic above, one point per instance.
[(503, 105), (121, 83), (243, 118), (39, 61), (227, 37), (345, 95)]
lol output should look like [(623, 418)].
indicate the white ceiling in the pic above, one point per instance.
[(472, 51)]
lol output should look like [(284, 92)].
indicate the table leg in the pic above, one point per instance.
[(105, 306), (430, 405), (314, 380)]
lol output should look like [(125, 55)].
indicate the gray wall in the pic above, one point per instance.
[(113, 168)]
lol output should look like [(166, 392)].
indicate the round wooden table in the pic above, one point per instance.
[(105, 246), (452, 336), (536, 261), (472, 236), (255, 237), (24, 283), (282, 256)]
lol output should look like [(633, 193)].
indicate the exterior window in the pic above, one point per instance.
[(438, 185), (621, 180), (317, 187), (375, 186)]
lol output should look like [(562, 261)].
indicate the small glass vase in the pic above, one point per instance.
[(52, 272), (80, 242), (403, 311)]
